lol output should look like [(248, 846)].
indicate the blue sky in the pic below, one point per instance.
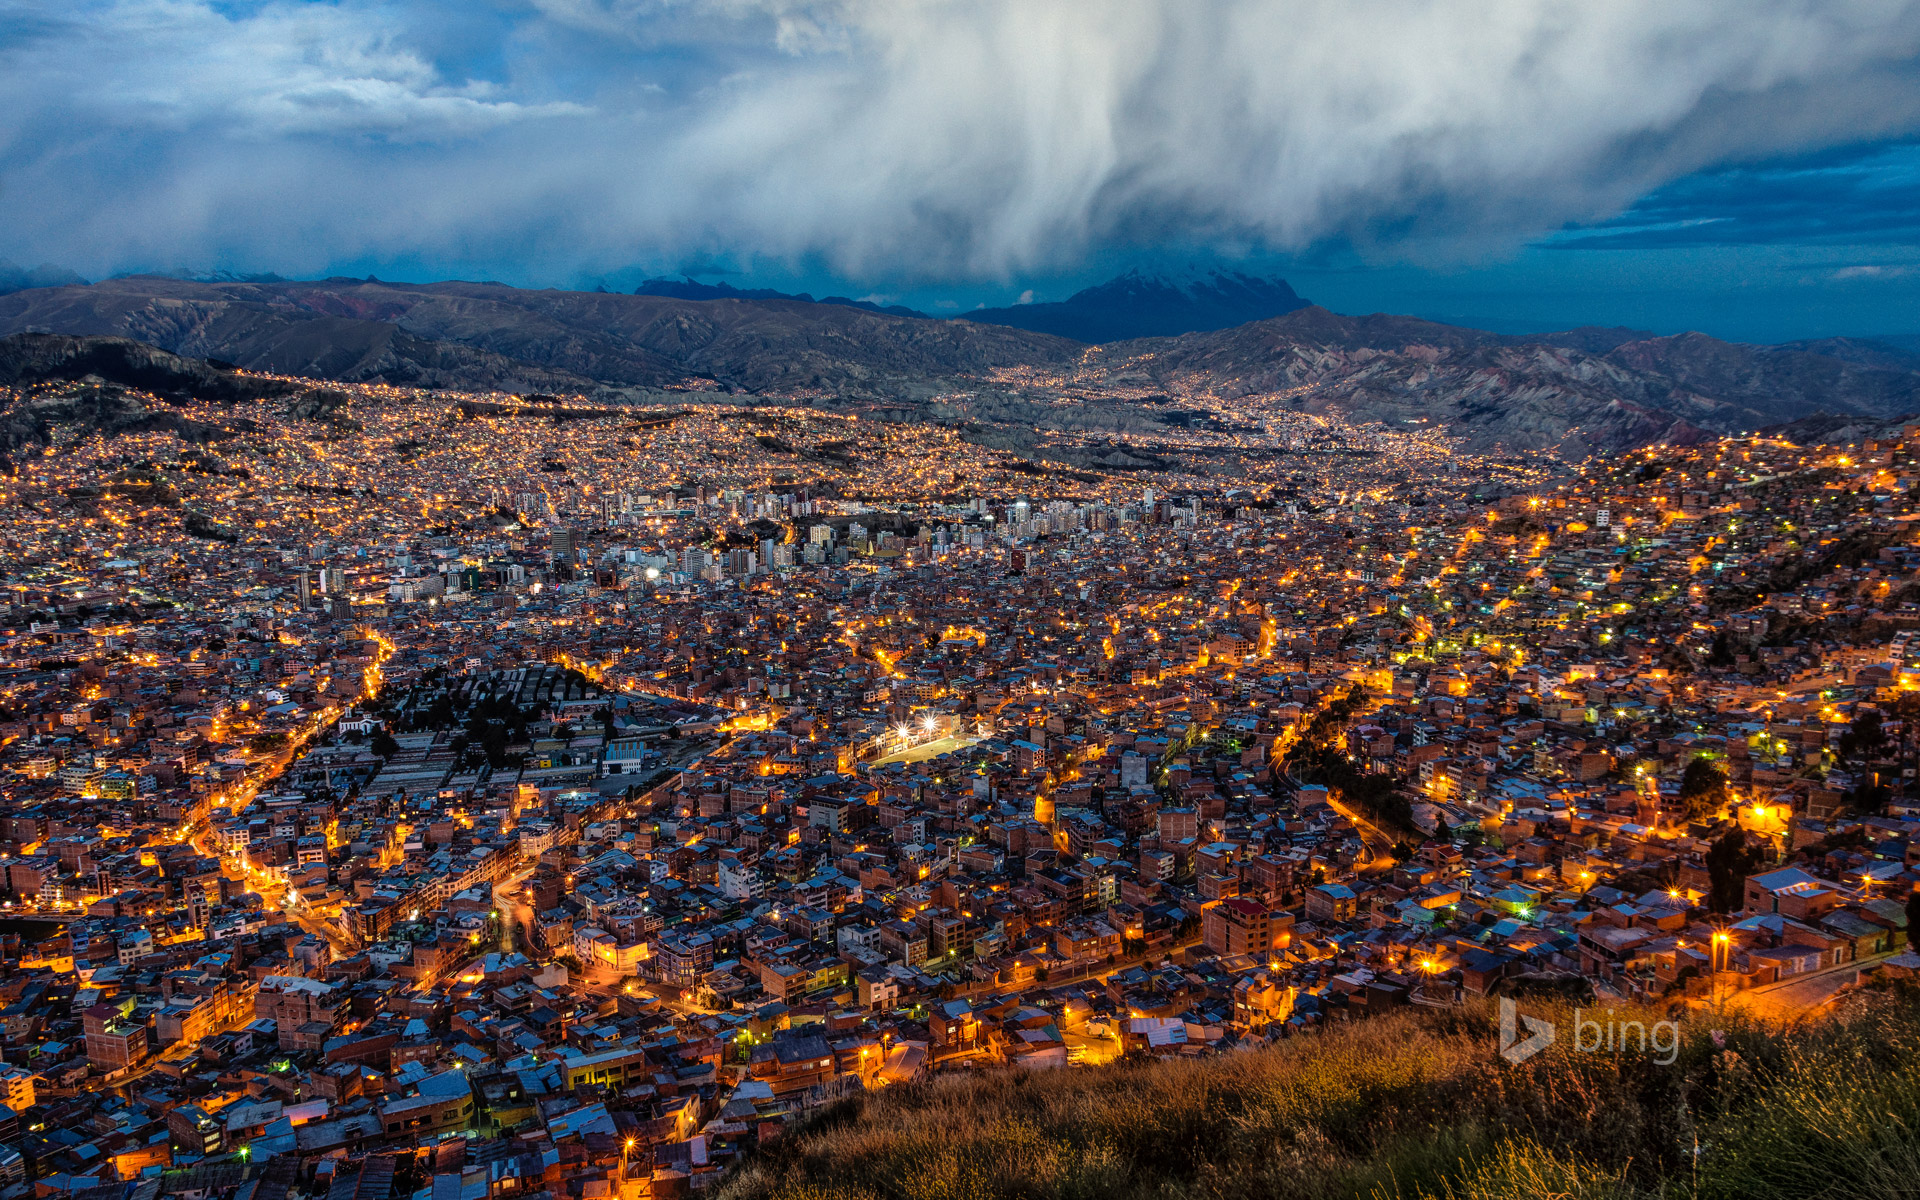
[(1749, 168)]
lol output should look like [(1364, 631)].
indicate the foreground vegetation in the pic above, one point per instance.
[(1414, 1105)]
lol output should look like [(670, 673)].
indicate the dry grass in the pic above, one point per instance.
[(1409, 1105)]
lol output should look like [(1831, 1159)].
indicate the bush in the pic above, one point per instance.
[(1410, 1105)]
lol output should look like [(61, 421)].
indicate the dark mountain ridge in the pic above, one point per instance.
[(27, 359), (1574, 392), (1132, 305), (693, 289), (96, 383), (16, 278), (1580, 392), (1137, 305), (490, 337)]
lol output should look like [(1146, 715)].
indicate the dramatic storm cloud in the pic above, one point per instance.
[(894, 139)]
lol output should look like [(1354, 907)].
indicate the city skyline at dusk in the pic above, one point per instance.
[(959, 600)]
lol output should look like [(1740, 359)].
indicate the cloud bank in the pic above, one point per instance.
[(893, 139)]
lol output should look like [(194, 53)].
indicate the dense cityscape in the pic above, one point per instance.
[(488, 795)]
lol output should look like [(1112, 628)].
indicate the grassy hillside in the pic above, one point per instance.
[(1412, 1105)]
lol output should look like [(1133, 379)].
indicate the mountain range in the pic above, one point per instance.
[(1581, 390), (490, 337), (15, 278), (1575, 391), (1135, 305), (692, 289), (1138, 305)]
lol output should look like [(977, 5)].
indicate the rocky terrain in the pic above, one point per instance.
[(111, 386), (481, 337), (27, 359), (1585, 390), (1575, 392)]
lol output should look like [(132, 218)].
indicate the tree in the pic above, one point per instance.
[(384, 745), (1703, 789), (1729, 862), (439, 715), (1868, 796), (1863, 737)]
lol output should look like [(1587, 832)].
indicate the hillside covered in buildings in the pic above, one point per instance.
[(410, 792)]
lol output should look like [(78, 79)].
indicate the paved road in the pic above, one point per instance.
[(516, 915), (1378, 842), (1375, 841), (273, 893), (1799, 998)]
